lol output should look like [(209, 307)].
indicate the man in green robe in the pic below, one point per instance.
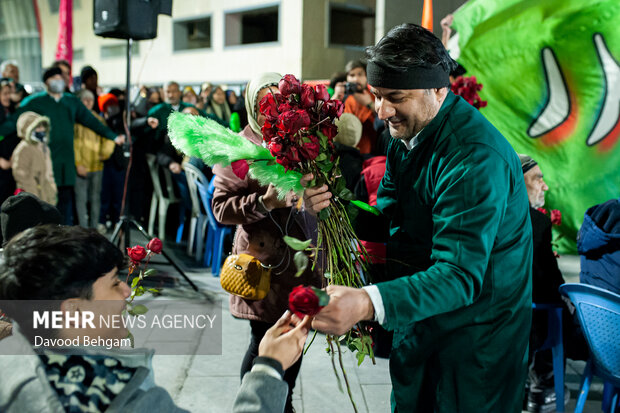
[(460, 244)]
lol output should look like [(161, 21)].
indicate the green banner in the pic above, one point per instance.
[(552, 81)]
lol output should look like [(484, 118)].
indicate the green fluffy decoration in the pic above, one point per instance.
[(216, 145)]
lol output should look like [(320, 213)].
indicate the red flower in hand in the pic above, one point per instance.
[(333, 108), (303, 301), (136, 254), (307, 96), (155, 246), (291, 122), (556, 217), (289, 85), (310, 150), (269, 107), (321, 93), (240, 168), (329, 129)]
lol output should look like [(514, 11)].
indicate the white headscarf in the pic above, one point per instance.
[(251, 93)]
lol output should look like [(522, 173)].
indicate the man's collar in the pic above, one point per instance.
[(411, 143)]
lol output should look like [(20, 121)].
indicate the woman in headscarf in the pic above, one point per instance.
[(217, 104), (262, 220)]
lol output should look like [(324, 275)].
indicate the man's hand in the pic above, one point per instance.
[(81, 171), (271, 200), (152, 122), (5, 164), (347, 306), (283, 343), (175, 167), (316, 198), (120, 139)]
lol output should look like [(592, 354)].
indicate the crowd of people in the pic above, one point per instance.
[(459, 248)]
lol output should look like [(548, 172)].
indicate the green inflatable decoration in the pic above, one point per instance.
[(552, 81)]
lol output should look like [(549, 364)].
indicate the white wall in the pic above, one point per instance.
[(157, 62)]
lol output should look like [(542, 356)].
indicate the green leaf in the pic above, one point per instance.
[(323, 296), (326, 166), (341, 184), (360, 358), (324, 214), (139, 309), (150, 272), (364, 206), (322, 139), (131, 339), (301, 262), (346, 194), (135, 282), (322, 156), (327, 275), (154, 290), (296, 244)]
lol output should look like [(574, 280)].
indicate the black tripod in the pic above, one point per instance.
[(123, 227)]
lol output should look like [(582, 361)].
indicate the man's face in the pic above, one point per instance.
[(12, 72), (358, 75), (108, 300), (173, 94), (339, 91), (536, 187), (5, 95), (92, 82), (407, 111)]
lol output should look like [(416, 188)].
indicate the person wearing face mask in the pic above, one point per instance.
[(32, 163), (64, 110)]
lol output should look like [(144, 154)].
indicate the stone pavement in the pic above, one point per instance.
[(208, 383)]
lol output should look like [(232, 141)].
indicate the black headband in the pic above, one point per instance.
[(527, 163), (414, 77)]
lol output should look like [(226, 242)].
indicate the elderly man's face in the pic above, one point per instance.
[(536, 187), (11, 71), (407, 111), (173, 94)]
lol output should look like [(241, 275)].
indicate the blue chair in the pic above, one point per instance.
[(598, 311), (198, 224), (217, 232), (554, 342)]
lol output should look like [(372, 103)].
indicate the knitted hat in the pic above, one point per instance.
[(106, 100), (349, 130), (52, 71), (23, 211), (527, 162)]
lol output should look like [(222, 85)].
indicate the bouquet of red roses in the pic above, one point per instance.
[(468, 88)]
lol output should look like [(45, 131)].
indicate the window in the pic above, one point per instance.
[(351, 26), (55, 5), (78, 54), (119, 50), (252, 26), (192, 34)]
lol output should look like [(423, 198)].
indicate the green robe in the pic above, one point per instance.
[(460, 253), (63, 116)]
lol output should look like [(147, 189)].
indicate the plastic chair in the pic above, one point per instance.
[(554, 342), (198, 223), (598, 311), (159, 201), (217, 232)]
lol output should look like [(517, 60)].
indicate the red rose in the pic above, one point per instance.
[(240, 168), (289, 85), (543, 210), (556, 217), (155, 245), (136, 254), (303, 301), (291, 122), (329, 129), (333, 108), (310, 150), (307, 96), (269, 131), (286, 107), (321, 93), (269, 107), (275, 148)]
